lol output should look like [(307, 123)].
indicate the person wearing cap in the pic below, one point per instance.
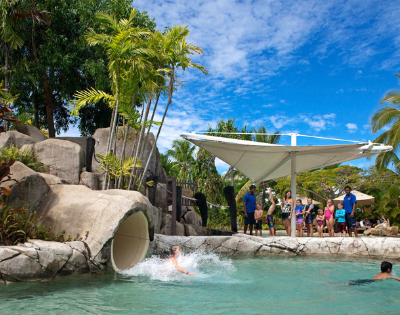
[(249, 207)]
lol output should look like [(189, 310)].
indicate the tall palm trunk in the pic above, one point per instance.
[(170, 91), (124, 144), (138, 147), (110, 140)]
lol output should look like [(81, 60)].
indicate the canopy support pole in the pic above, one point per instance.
[(293, 183)]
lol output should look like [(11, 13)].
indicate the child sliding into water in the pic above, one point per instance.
[(299, 210), (320, 222), (175, 252)]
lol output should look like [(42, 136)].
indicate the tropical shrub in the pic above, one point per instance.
[(18, 225), (27, 157)]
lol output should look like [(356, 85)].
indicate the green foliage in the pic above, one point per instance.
[(17, 225), (182, 152), (170, 167), (115, 166), (388, 116), (27, 157)]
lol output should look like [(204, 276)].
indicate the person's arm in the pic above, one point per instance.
[(354, 207), (394, 277), (244, 208), (179, 268)]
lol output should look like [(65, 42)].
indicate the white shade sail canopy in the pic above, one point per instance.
[(263, 161), (362, 199)]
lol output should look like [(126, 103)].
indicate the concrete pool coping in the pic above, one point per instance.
[(240, 244)]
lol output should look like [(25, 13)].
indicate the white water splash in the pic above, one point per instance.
[(205, 265)]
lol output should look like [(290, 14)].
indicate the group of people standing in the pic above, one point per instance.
[(345, 214)]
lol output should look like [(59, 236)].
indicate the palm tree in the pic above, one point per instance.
[(129, 67), (176, 52), (170, 167), (384, 117), (262, 136), (390, 203), (182, 152)]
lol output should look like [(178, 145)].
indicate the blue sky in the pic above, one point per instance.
[(312, 67)]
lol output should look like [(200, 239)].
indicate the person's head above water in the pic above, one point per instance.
[(175, 250), (252, 189), (386, 267)]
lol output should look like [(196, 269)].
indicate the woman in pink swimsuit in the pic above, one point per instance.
[(329, 211)]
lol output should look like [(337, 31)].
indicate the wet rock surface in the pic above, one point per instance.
[(239, 244), (39, 260)]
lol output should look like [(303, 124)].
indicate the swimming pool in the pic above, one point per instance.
[(267, 285)]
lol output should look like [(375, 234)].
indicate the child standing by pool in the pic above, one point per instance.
[(270, 218), (309, 216), (320, 222), (341, 220), (258, 214), (299, 211)]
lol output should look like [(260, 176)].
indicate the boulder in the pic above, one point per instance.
[(22, 268), (81, 141), (14, 137), (155, 168), (161, 197), (191, 217), (64, 158), (157, 219), (90, 180), (31, 131), (166, 226), (26, 147), (95, 216), (52, 179), (31, 188)]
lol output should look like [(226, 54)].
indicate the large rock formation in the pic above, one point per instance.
[(101, 137), (31, 131), (29, 189), (365, 247), (37, 260), (65, 158), (382, 229), (14, 137)]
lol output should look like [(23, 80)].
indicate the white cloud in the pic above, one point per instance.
[(352, 128)]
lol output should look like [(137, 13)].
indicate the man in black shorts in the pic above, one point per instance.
[(249, 207)]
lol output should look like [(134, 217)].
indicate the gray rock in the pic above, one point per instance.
[(30, 189), (7, 253), (161, 199), (191, 217), (27, 147), (81, 141), (190, 230), (157, 219), (26, 250), (52, 179), (32, 132), (90, 180), (64, 158), (166, 226), (155, 168), (22, 268), (14, 137)]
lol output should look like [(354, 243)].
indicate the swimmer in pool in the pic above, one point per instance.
[(386, 269), (175, 252)]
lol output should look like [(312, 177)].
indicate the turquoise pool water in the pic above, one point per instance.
[(270, 285)]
